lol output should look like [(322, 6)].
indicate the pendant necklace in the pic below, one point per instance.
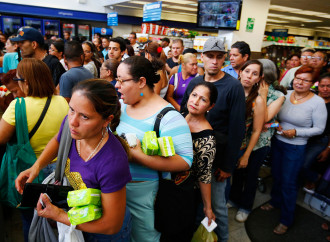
[(98, 145), (297, 99)]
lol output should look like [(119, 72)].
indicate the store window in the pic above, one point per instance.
[(71, 28), (83, 31), (11, 25)]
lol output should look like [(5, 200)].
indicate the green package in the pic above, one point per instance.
[(166, 146), (82, 197), (80, 215), (150, 143)]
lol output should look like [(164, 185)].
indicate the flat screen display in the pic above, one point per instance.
[(218, 14)]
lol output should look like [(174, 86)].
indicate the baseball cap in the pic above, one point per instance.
[(214, 44), (166, 39), (29, 33)]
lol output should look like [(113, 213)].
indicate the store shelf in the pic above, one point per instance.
[(269, 43)]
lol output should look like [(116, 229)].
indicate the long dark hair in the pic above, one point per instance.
[(139, 66), (254, 91), (102, 94), (94, 56)]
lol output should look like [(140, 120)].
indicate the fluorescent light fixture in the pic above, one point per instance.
[(276, 21), (139, 2), (283, 9), (293, 18), (323, 27)]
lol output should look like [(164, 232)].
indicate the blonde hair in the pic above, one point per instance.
[(184, 59)]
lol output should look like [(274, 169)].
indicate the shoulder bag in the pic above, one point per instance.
[(175, 208), (19, 154)]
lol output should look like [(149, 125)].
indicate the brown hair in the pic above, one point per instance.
[(103, 95), (112, 65), (38, 77), (307, 69), (254, 91), (8, 77), (157, 54)]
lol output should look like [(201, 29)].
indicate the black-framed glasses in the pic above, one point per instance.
[(18, 79), (122, 81)]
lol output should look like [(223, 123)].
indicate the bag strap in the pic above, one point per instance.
[(176, 80), (159, 117), (21, 122), (43, 113), (63, 151)]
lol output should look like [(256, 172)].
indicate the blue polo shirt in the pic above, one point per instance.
[(230, 70)]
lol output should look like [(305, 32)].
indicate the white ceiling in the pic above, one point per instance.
[(305, 14)]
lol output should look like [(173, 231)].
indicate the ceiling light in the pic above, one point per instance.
[(283, 9), (276, 21)]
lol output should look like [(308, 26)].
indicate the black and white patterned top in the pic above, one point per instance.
[(204, 145)]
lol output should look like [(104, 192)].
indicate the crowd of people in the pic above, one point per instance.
[(225, 122)]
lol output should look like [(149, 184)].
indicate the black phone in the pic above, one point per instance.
[(58, 194)]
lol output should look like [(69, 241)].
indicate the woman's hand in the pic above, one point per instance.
[(290, 133), (263, 90), (48, 210), (135, 151), (209, 214), (323, 156), (243, 161), (24, 177)]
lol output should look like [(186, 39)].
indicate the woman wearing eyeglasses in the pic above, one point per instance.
[(140, 106), (35, 81), (302, 116), (90, 61)]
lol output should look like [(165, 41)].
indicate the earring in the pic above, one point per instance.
[(141, 94)]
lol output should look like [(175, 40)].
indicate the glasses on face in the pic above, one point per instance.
[(306, 57), (317, 58), (18, 79), (87, 52), (122, 81), (297, 79)]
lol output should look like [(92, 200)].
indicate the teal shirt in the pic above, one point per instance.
[(10, 61), (266, 136), (172, 124)]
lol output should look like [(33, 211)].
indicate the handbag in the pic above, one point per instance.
[(19, 155), (174, 207), (40, 229)]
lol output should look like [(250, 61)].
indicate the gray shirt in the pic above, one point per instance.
[(308, 118), (71, 78)]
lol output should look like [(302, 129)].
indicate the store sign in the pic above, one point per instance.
[(112, 19), (250, 24), (152, 11)]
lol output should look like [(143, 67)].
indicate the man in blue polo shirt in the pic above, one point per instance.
[(239, 54)]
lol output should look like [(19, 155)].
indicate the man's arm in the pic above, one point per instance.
[(236, 128)]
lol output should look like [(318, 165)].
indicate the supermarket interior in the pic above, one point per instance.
[(273, 29)]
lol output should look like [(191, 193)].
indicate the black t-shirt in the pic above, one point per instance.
[(55, 67), (171, 63), (227, 118)]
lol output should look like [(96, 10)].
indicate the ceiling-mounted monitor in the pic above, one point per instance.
[(219, 14)]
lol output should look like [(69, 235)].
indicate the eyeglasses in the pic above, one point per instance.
[(87, 52), (297, 79), (18, 79), (122, 81), (306, 57), (317, 58)]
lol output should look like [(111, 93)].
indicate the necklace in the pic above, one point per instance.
[(297, 99), (98, 145)]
